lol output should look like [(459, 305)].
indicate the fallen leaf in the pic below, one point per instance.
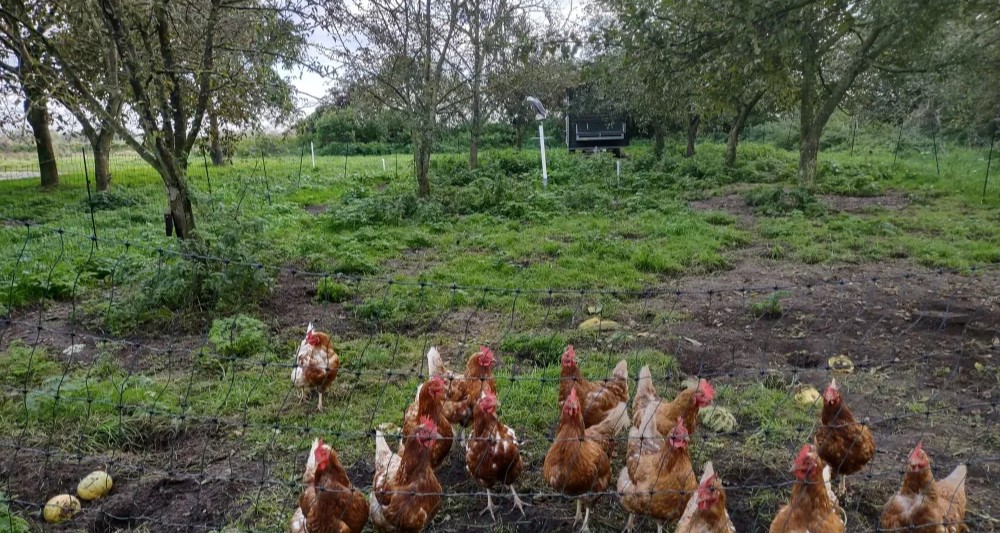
[(598, 324), (692, 341)]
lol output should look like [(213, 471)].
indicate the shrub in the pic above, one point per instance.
[(24, 366), (112, 199), (10, 521), (33, 285), (769, 307), (539, 349), (776, 201), (238, 336), (328, 290)]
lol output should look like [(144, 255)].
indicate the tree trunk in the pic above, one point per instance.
[(659, 140), (477, 77), (692, 132), (37, 114), (737, 128), (101, 145), (808, 156), (174, 174), (215, 138), (422, 162), (518, 137), (474, 139)]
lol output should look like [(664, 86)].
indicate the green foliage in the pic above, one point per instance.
[(852, 179), (328, 290), (777, 201), (238, 336), (335, 131), (9, 521), (23, 366), (114, 198), (55, 283), (769, 307), (537, 349), (197, 281)]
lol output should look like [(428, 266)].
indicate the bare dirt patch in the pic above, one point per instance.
[(858, 204)]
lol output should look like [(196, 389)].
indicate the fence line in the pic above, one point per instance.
[(170, 411)]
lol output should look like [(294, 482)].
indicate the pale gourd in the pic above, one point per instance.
[(60, 508), (95, 485)]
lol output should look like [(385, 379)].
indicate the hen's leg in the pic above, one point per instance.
[(489, 506), (659, 527), (586, 518), (630, 525), (518, 504), (579, 512), (843, 486), (320, 406)]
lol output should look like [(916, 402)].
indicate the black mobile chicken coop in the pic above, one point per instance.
[(596, 132)]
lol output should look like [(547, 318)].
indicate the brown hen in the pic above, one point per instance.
[(924, 505)]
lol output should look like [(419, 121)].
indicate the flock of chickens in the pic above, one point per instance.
[(658, 479)]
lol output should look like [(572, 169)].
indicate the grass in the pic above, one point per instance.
[(491, 257)]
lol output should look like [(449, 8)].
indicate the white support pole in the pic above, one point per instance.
[(541, 142), (312, 151), (383, 164)]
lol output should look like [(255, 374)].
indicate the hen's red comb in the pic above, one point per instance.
[(803, 453), (706, 388)]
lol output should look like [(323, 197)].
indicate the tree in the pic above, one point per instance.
[(22, 70), (834, 42), (721, 45), (495, 32), (173, 58), (100, 67), (401, 54), (532, 65)]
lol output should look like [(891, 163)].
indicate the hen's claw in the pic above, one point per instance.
[(518, 504), (489, 506), (630, 525)]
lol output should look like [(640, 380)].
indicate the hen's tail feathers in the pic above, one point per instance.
[(435, 365), (382, 452), (956, 479), (624, 485), (645, 386), (310, 474), (617, 419), (827, 475), (647, 427), (621, 371), (623, 420), (707, 473), (298, 523), (645, 392)]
